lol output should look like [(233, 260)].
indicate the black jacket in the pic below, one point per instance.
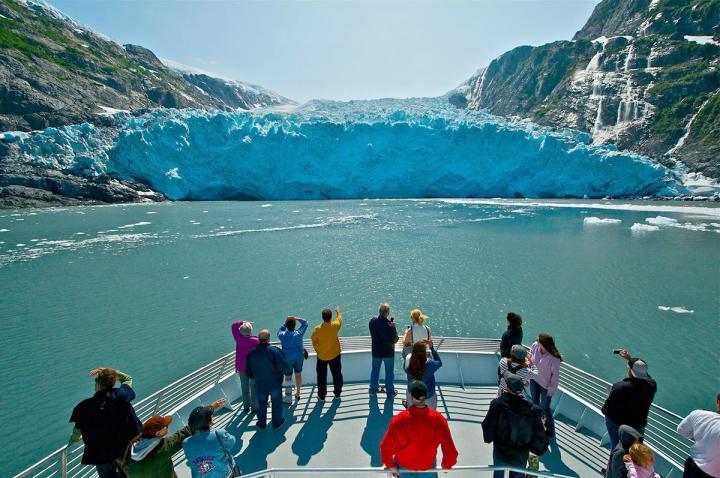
[(384, 337), (515, 427), (510, 337), (629, 401), (616, 466)]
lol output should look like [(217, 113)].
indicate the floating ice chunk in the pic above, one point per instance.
[(600, 220), (266, 205), (142, 223), (637, 227), (4, 230), (661, 221), (677, 310), (151, 212)]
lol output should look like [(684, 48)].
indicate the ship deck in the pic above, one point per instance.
[(346, 433)]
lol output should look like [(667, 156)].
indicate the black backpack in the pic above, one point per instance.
[(516, 429)]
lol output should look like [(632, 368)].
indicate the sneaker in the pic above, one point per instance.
[(404, 403), (297, 396), (321, 399), (246, 409), (336, 397), (282, 422), (393, 394)]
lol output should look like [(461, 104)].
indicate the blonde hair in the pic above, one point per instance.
[(641, 455), (416, 315)]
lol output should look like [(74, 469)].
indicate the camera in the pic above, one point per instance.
[(617, 351)]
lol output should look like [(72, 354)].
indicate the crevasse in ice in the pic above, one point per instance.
[(356, 149)]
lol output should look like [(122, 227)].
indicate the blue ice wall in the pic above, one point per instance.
[(357, 149)]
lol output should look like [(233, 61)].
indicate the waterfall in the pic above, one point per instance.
[(681, 141), (629, 58), (598, 119), (594, 64)]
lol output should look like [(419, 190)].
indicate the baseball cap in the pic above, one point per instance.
[(155, 424), (514, 382), (200, 417), (418, 390), (638, 367)]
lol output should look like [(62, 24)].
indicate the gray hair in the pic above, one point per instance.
[(384, 310), (246, 329), (264, 336)]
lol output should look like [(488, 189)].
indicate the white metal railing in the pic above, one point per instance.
[(383, 472), (65, 462)]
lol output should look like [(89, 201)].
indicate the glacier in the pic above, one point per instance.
[(388, 148)]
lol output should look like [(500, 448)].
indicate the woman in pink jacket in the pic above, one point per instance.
[(244, 343), (545, 356)]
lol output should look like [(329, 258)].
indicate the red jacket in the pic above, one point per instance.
[(412, 439)]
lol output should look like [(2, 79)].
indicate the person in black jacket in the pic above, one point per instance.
[(616, 465), (515, 427), (384, 337), (630, 399), (512, 336), (106, 422)]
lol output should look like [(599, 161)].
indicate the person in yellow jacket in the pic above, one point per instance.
[(327, 346)]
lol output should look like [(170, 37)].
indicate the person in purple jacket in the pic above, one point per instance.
[(244, 343), (545, 356)]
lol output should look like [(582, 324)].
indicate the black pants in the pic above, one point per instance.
[(335, 370), (109, 470), (693, 471)]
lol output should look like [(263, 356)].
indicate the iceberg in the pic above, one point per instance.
[(334, 150)]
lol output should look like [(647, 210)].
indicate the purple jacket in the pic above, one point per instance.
[(548, 368), (243, 346)]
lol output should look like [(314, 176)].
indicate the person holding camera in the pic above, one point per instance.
[(291, 339), (630, 398), (384, 336), (326, 343)]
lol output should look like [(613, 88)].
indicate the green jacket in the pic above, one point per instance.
[(158, 462)]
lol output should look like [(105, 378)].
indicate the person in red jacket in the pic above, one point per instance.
[(412, 439)]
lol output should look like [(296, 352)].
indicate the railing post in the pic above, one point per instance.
[(156, 409), (506, 473), (222, 370), (63, 463), (457, 361)]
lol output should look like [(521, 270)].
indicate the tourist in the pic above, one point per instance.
[(512, 336), (207, 450), (702, 427), (630, 399), (413, 436), (106, 422), (627, 437), (149, 455), (416, 332), (244, 343), (326, 343), (291, 339), (639, 462), (546, 358), (384, 336), (518, 364), (418, 367), (266, 364), (515, 427)]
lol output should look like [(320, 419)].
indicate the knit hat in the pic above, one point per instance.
[(514, 383), (418, 390)]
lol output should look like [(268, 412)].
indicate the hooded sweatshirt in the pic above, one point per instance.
[(616, 466), (152, 457), (243, 346)]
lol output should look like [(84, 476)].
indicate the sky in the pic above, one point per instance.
[(338, 50)]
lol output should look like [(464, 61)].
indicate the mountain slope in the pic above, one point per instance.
[(643, 74), (55, 72)]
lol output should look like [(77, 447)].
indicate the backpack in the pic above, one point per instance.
[(516, 429), (511, 369)]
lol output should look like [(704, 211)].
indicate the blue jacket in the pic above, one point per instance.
[(205, 455), (431, 366), (266, 364), (384, 337), (292, 342)]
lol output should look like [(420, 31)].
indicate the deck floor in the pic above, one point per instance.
[(347, 433)]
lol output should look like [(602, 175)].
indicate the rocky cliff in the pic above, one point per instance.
[(55, 72), (642, 74)]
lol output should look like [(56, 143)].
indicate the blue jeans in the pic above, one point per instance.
[(540, 397), (614, 432), (500, 460), (277, 407), (247, 385), (389, 374)]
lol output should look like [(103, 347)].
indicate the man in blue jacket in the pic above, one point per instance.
[(291, 338), (384, 337), (266, 364)]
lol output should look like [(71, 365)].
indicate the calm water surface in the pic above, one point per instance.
[(152, 290)]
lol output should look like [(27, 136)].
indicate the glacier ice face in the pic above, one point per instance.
[(356, 149)]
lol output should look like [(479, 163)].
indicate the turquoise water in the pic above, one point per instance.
[(152, 290)]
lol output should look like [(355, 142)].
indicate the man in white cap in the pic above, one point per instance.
[(630, 399), (703, 428)]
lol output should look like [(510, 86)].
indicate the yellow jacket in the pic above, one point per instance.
[(325, 339)]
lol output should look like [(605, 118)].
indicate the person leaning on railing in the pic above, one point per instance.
[(245, 341), (702, 427), (106, 422), (630, 399), (512, 336)]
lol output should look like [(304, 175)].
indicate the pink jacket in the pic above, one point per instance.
[(637, 471), (243, 346), (548, 368)]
